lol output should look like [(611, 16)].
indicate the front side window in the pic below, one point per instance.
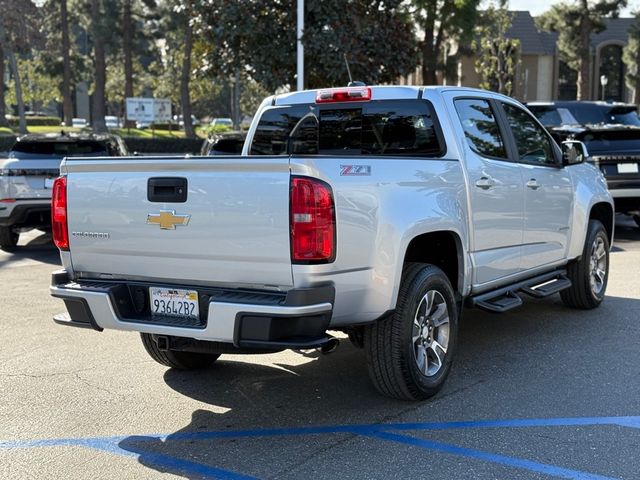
[(534, 145), (480, 127)]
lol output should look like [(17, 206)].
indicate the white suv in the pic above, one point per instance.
[(27, 175)]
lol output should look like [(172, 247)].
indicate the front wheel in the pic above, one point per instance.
[(175, 358), (409, 353), (590, 273), (8, 237)]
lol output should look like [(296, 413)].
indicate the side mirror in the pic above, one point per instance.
[(573, 152)]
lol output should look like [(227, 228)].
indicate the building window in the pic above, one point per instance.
[(567, 82), (612, 67)]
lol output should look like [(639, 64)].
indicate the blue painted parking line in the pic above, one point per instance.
[(166, 463), (628, 421), (132, 446), (489, 457)]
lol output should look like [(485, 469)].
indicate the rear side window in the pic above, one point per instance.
[(398, 127), (480, 127)]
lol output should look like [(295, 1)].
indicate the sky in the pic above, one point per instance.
[(539, 6)]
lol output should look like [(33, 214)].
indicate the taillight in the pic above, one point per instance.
[(59, 229), (348, 94), (313, 221)]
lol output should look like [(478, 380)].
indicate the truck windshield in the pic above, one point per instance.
[(387, 127), (45, 150), (587, 114)]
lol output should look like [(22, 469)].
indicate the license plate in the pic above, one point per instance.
[(170, 302), (48, 182), (627, 168)]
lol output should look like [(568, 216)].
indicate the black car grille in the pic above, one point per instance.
[(616, 158)]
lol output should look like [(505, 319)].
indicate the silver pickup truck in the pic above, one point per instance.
[(377, 211)]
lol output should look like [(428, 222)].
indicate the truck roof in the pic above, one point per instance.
[(379, 92)]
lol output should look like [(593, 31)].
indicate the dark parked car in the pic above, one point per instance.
[(224, 144), (611, 132), (26, 177)]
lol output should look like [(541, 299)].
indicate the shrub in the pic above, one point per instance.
[(6, 142), (36, 121), (209, 129), (165, 126)]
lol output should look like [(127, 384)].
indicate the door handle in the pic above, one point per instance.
[(485, 183), (533, 184), (167, 189)]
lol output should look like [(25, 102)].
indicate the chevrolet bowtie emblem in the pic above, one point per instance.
[(167, 219)]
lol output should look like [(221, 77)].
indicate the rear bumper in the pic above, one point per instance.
[(296, 319), (27, 213)]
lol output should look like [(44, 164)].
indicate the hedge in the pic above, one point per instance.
[(163, 145), (36, 121), (6, 142), (166, 126)]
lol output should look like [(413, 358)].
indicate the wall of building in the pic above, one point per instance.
[(468, 75)]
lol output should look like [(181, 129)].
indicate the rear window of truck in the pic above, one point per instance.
[(41, 149), (385, 127)]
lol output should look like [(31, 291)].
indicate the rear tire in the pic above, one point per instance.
[(8, 237), (590, 273), (177, 359), (410, 352), (356, 336)]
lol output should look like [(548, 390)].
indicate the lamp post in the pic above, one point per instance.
[(300, 52), (603, 82)]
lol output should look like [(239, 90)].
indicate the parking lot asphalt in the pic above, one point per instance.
[(541, 392)]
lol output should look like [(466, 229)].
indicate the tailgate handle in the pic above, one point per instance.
[(167, 189)]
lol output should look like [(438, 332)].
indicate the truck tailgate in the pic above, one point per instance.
[(233, 228)]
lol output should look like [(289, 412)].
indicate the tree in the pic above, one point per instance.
[(575, 22), (442, 21), (378, 38), (497, 57), (185, 8), (135, 42), (243, 39), (65, 61), (67, 103), (631, 58), (256, 40), (37, 88), (3, 87), (127, 49), (19, 32), (99, 34)]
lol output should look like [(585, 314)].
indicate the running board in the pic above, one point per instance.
[(500, 304), (549, 288), (506, 298)]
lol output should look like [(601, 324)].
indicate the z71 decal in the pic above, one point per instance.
[(355, 170)]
